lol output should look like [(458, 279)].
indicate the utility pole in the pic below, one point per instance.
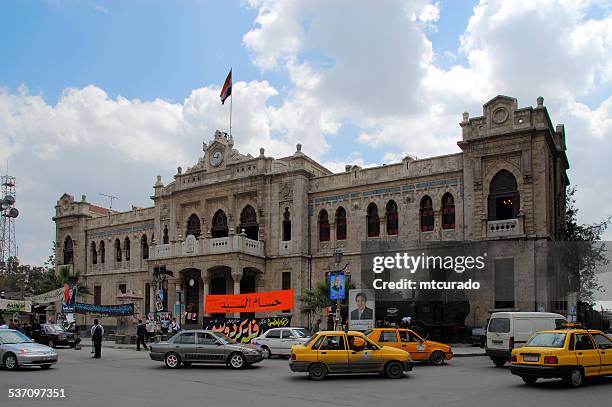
[(111, 197)]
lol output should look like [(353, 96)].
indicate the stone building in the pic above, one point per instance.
[(235, 223)]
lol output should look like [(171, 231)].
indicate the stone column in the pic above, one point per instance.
[(237, 276), (205, 290)]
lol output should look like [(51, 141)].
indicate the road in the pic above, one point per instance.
[(130, 378)]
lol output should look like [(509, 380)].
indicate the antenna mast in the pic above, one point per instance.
[(111, 197), (8, 214)]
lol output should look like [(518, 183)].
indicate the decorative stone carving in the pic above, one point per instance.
[(500, 115), (285, 192), (190, 243)]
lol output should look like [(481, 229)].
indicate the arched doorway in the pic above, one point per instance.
[(248, 284), (248, 222), (219, 225), (504, 198), (220, 280), (190, 282)]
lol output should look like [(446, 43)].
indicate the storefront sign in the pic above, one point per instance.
[(108, 310), (255, 302), (48, 297), (243, 330), (15, 305)]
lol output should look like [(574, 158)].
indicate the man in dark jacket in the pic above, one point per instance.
[(96, 337), (141, 333)]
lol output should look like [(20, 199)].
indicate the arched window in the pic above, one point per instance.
[(286, 225), (126, 245), (68, 251), (144, 247), (340, 224), (323, 226), (165, 237), (504, 198), (392, 218), (117, 250), (193, 226), (448, 211), (219, 225), (248, 222), (426, 214), (102, 252), (373, 220), (94, 253)]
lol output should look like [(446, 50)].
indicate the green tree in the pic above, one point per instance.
[(314, 300), (586, 254)]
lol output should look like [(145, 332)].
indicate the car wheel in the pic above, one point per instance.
[(237, 361), (266, 352), (394, 370), (529, 379), (173, 361), (51, 343), (575, 378), (10, 361), (317, 371), (45, 367), (437, 358), (499, 362)]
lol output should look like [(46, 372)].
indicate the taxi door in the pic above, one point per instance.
[(413, 344), (363, 355), (604, 345), (332, 352), (586, 354)]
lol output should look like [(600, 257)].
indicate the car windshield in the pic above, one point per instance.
[(54, 328), (7, 337), (301, 333), (309, 341), (224, 338), (499, 325), (547, 340)]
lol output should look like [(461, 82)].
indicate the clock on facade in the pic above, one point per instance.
[(216, 158)]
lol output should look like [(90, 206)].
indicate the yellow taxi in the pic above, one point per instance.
[(347, 352), (406, 339), (568, 354)]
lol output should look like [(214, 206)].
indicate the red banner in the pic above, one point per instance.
[(254, 302)]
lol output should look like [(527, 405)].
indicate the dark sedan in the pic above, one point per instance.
[(201, 346), (54, 335)]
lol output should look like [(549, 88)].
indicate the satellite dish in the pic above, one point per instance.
[(9, 199), (13, 213)]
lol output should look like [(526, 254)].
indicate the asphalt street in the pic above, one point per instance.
[(130, 378)]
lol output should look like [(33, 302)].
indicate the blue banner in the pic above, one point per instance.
[(337, 285), (108, 310)]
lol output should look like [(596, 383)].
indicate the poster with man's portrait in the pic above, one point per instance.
[(361, 309), (337, 286)]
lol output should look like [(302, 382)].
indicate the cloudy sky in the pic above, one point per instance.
[(102, 96)]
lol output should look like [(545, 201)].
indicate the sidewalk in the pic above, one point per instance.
[(459, 349)]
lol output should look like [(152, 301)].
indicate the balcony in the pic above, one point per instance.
[(203, 247), (503, 228)]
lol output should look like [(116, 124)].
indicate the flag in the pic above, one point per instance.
[(226, 91)]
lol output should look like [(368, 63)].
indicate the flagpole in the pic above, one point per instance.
[(231, 102)]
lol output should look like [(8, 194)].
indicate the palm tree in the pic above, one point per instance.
[(315, 299), (63, 276)]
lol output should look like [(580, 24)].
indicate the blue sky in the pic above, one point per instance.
[(95, 91)]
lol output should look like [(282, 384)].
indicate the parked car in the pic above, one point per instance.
[(17, 350), (419, 348), (203, 346), (479, 336), (278, 341), (569, 354), (509, 330), (55, 335), (347, 352)]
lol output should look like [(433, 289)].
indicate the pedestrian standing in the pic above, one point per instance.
[(316, 327), (97, 331), (150, 329), (176, 326), (141, 333), (165, 325)]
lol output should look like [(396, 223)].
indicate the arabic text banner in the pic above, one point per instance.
[(254, 302), (110, 310), (15, 305), (243, 330)]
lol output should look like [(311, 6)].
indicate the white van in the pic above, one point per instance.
[(509, 330)]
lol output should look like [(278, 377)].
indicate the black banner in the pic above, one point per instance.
[(243, 330), (118, 310)]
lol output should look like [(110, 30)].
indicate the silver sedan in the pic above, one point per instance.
[(17, 350), (202, 346)]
